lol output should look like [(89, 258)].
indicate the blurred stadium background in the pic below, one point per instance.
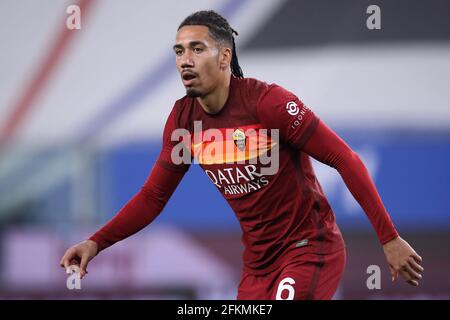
[(81, 118)]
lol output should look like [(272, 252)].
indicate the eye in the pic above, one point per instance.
[(198, 50), (178, 52)]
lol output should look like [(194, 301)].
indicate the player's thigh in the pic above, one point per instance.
[(254, 287), (312, 277), (294, 281), (330, 276)]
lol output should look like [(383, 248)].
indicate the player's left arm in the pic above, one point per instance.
[(327, 147), (299, 127)]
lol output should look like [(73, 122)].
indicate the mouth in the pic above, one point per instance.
[(188, 78)]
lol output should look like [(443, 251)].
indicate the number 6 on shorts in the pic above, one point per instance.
[(286, 284)]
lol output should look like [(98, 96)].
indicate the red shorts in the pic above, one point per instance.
[(309, 276)]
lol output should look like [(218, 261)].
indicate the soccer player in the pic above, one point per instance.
[(293, 246)]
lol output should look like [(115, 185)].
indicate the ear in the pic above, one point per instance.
[(225, 58)]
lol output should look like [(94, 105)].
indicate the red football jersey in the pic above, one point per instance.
[(252, 152)]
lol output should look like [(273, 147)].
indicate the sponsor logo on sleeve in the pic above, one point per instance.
[(292, 108)]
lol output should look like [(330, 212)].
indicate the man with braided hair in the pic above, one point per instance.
[(293, 246)]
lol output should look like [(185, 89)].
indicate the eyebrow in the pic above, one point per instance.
[(191, 44)]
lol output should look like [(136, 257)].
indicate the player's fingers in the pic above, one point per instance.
[(417, 267), (405, 275), (413, 274), (61, 262), (408, 277), (68, 256), (417, 257), (83, 265), (393, 273), (63, 259), (414, 283)]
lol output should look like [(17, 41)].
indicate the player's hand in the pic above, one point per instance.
[(80, 255), (403, 260)]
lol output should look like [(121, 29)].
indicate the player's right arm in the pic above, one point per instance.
[(138, 212)]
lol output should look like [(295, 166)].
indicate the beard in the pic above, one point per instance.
[(192, 93)]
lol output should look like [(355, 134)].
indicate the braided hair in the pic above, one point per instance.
[(219, 30)]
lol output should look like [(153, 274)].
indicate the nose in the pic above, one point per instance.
[(186, 60)]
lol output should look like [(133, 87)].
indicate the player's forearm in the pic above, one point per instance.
[(325, 146), (134, 216), (358, 181), (141, 210)]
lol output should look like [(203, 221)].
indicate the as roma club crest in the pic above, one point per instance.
[(239, 139)]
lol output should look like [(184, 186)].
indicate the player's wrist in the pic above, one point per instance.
[(391, 238), (93, 246)]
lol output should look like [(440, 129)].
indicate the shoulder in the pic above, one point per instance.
[(252, 89), (261, 91), (252, 83), (182, 104), (278, 103), (276, 94)]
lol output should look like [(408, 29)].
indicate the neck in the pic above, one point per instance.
[(215, 101)]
